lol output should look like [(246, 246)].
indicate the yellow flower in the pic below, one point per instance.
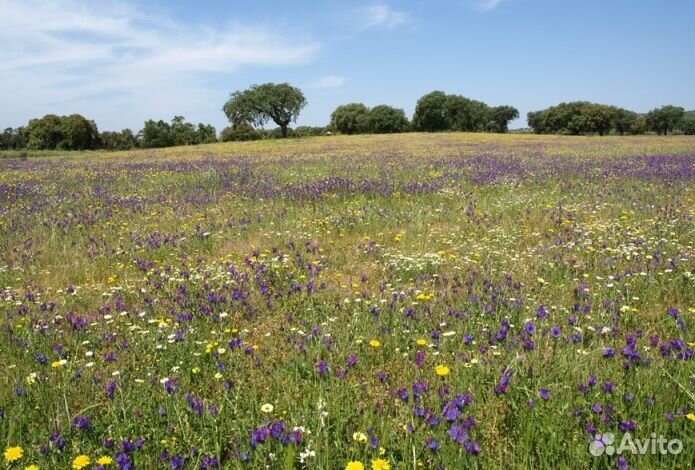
[(31, 467), (267, 408), (104, 460), (421, 342), (441, 370), (80, 462), (13, 453), (380, 464), (691, 416), (374, 343), (359, 437), (56, 364), (354, 466)]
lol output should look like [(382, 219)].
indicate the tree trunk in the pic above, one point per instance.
[(283, 128)]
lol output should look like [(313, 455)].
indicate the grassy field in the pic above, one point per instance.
[(417, 301)]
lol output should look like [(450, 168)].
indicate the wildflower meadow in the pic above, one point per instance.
[(415, 301)]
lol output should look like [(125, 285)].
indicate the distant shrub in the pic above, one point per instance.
[(309, 131), (277, 133), (688, 126), (240, 132)]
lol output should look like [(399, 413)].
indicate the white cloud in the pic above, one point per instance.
[(329, 81), (58, 55), (381, 15)]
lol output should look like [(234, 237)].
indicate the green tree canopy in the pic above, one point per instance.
[(206, 134), (499, 118), (350, 118), (430, 112), (384, 119), (53, 132), (182, 132), (464, 114), (624, 120), (12, 139), (582, 117), (156, 134), (124, 140), (280, 103), (179, 132), (437, 111), (596, 119), (664, 119), (687, 125)]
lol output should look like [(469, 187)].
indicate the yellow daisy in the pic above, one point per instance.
[(441, 370), (354, 466), (380, 464), (13, 454), (80, 462), (104, 460)]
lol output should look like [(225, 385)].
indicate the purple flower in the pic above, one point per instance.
[(628, 425), (123, 461), (608, 352), (110, 389), (81, 422), (622, 464), (258, 436), (177, 462), (419, 358), (277, 428), (503, 382), (419, 388), (432, 444), (458, 434), (451, 412), (57, 441), (402, 394), (322, 367), (472, 447), (530, 328), (544, 393), (208, 461)]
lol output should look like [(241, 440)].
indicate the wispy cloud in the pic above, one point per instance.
[(329, 81), (381, 15), (68, 53), (487, 5)]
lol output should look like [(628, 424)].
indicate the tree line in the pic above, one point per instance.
[(436, 111), (248, 111), (75, 132), (585, 118)]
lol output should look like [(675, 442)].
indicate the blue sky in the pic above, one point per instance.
[(121, 62)]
